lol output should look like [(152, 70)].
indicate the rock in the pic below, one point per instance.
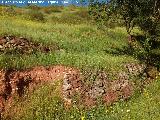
[(22, 45), (66, 85), (1, 47), (99, 83), (7, 38)]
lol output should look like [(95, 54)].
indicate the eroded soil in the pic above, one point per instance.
[(13, 82), (12, 45)]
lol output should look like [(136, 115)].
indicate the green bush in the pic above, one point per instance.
[(36, 15), (98, 12)]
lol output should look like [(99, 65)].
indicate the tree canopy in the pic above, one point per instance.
[(144, 14)]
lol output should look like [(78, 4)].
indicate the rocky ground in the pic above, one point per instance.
[(12, 44), (109, 91)]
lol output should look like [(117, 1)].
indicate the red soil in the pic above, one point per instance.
[(15, 82)]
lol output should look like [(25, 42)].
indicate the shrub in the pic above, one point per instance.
[(36, 15), (144, 14), (10, 11), (98, 13)]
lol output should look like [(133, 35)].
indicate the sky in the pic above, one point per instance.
[(44, 2)]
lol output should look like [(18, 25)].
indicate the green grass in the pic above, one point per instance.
[(80, 45)]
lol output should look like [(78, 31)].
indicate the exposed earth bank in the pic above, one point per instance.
[(13, 82)]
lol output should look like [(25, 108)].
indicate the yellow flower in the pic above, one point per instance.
[(107, 111), (82, 118), (146, 93)]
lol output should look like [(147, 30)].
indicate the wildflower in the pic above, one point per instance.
[(107, 111), (128, 111), (82, 118)]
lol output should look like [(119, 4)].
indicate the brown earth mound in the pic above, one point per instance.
[(14, 82), (74, 83), (12, 44)]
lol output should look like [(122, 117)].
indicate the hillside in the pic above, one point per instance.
[(43, 40)]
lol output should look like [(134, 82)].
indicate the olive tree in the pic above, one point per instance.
[(144, 14)]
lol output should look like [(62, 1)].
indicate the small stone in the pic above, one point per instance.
[(66, 87), (7, 38), (1, 47)]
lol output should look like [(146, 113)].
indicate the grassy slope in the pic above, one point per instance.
[(81, 46)]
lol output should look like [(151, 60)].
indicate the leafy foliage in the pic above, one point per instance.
[(144, 14), (99, 12)]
